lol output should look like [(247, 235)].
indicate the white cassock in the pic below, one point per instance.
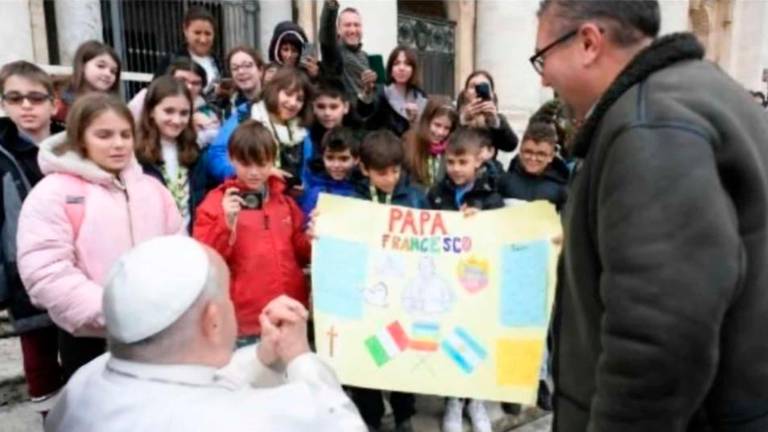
[(111, 395)]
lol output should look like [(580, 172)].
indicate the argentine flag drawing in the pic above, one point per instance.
[(464, 350), (387, 343)]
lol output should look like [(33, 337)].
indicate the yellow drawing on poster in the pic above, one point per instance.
[(432, 302)]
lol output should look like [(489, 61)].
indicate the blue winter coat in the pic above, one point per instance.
[(217, 164)]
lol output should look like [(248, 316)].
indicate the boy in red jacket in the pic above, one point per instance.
[(256, 228)]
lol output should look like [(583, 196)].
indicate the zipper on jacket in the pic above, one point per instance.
[(266, 222), (130, 219)]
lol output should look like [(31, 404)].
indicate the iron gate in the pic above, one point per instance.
[(143, 32), (434, 42)]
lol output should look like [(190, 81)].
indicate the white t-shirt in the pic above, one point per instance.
[(210, 69), (170, 153)]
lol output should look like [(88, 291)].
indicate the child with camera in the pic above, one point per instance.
[(256, 228)]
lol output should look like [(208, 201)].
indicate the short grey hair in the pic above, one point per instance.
[(627, 22), (161, 346)]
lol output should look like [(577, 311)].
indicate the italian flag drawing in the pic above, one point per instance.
[(388, 343)]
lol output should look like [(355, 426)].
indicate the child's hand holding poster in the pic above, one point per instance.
[(432, 302)]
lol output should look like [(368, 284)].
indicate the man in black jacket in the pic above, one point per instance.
[(662, 301)]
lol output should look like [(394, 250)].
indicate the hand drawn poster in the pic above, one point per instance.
[(432, 302)]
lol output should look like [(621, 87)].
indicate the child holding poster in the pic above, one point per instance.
[(381, 159), (468, 187)]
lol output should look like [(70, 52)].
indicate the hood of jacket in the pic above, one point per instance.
[(289, 32), (72, 163), (557, 170)]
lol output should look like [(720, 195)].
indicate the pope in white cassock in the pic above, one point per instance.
[(171, 328)]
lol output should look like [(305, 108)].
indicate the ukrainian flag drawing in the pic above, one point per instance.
[(424, 336), (464, 350), (387, 343)]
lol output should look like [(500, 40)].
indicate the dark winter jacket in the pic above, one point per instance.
[(200, 183), (404, 194), (227, 105), (380, 113), (338, 58), (502, 137), (550, 185), (19, 172), (318, 181), (662, 303), (484, 194), (286, 31)]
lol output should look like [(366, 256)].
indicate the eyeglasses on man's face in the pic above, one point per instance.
[(537, 59)]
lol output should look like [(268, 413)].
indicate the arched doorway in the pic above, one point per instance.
[(423, 25)]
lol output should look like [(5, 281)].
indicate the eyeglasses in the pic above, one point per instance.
[(537, 59), (236, 68), (540, 156), (34, 98)]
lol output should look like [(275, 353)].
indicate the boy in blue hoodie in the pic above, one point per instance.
[(336, 171), (381, 159)]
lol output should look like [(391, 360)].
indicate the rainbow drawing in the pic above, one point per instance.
[(424, 336)]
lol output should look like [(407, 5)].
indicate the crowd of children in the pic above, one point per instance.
[(280, 134)]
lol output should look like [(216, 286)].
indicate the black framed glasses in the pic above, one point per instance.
[(34, 98), (537, 59)]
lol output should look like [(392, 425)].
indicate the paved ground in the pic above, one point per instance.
[(19, 417)]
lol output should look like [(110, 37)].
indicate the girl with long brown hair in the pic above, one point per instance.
[(166, 144), (426, 142)]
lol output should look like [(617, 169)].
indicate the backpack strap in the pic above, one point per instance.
[(74, 205)]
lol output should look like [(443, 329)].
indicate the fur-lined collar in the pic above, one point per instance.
[(72, 163), (664, 52)]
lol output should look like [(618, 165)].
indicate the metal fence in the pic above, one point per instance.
[(144, 32), (434, 41)]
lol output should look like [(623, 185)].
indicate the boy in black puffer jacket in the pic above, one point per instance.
[(381, 160), (537, 173), (469, 182), (470, 185)]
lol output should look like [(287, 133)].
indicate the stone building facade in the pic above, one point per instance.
[(495, 35)]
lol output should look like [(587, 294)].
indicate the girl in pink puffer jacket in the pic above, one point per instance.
[(93, 205)]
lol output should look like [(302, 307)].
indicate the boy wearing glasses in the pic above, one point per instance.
[(27, 99), (537, 173)]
